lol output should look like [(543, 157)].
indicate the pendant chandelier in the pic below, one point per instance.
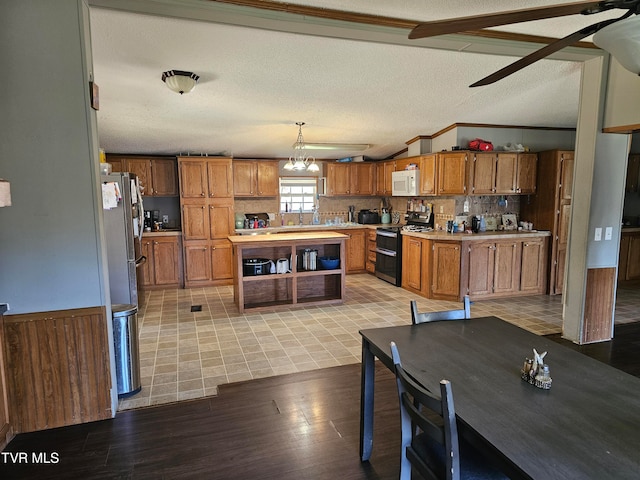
[(299, 160)]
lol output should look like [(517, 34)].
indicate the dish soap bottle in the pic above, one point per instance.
[(316, 216), (483, 224)]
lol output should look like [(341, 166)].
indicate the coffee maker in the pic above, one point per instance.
[(148, 219)]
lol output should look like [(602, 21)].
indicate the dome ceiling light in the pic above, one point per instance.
[(180, 81)]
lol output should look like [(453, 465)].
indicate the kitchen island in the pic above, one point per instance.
[(483, 265), (299, 283)]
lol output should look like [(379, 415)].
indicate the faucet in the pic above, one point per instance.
[(300, 216)]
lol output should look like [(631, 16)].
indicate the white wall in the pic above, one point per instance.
[(623, 98), (50, 247)]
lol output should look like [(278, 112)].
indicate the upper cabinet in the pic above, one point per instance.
[(157, 175), (503, 173), (206, 178), (383, 177), (350, 179), (255, 178), (452, 173)]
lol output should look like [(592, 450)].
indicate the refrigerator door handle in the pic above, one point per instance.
[(141, 260)]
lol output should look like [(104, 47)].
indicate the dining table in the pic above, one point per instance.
[(585, 426)]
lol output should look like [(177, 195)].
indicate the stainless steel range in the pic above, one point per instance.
[(389, 254)]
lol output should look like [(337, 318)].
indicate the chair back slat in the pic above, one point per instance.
[(425, 317)]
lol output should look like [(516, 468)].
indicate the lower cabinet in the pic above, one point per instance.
[(356, 253), (448, 270), (371, 250), (207, 261), (163, 267), (629, 260)]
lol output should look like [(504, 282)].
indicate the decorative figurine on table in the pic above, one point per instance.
[(536, 372)]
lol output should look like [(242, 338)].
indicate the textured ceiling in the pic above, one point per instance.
[(256, 83)]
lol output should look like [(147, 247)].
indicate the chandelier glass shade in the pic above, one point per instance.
[(622, 40), (300, 160), (180, 81)]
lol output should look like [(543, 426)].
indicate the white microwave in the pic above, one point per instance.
[(405, 183)]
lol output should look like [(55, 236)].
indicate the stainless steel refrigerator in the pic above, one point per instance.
[(122, 217)]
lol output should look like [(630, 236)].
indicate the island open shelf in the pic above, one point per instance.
[(296, 286)]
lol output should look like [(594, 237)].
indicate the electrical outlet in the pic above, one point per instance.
[(608, 233), (598, 235), (165, 219)]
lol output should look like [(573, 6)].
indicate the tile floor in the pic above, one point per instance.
[(185, 354)]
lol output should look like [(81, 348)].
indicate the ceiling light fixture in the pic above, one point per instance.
[(180, 81), (338, 146), (299, 160), (622, 40)]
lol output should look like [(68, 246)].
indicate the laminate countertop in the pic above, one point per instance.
[(306, 228), (163, 233), (497, 235), (285, 237)]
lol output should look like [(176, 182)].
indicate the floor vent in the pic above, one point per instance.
[(196, 308)]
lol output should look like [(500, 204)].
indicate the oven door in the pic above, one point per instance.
[(388, 257)]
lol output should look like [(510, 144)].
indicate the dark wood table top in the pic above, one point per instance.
[(586, 426)]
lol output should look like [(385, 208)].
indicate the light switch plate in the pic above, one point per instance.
[(165, 219), (608, 233), (598, 235)]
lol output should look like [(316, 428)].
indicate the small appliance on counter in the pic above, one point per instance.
[(257, 266), (352, 213), (368, 217)]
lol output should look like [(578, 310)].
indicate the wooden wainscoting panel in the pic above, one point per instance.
[(598, 308), (58, 369)]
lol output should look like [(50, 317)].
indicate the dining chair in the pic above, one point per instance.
[(461, 314), (433, 448)]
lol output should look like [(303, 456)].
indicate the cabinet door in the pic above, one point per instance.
[(195, 222), (268, 176), (506, 171), (355, 250), (633, 172), (244, 179), (526, 173), (506, 274), (452, 173), (6, 430), (566, 176), (484, 174), (623, 258), (165, 261), (221, 260), (220, 178), (446, 270), (117, 163), (380, 179), (146, 270), (338, 179), (221, 220), (142, 169), (197, 262), (193, 178), (481, 268), (532, 270), (427, 174), (362, 175), (389, 168), (633, 262), (164, 177), (412, 263)]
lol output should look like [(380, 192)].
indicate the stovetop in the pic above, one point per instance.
[(416, 228)]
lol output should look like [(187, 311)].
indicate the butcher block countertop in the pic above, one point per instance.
[(463, 237), (284, 237)]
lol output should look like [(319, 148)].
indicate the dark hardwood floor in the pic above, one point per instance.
[(304, 425)]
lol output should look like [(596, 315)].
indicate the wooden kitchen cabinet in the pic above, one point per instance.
[(157, 175), (371, 250), (533, 271), (550, 209), (350, 179), (206, 201), (629, 260), (257, 178), (493, 267), (384, 180), (633, 173), (355, 250), (483, 174), (452, 173), (445, 270), (428, 174), (415, 261), (163, 265), (503, 173), (6, 430)]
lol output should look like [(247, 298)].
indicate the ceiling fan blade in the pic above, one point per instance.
[(544, 52), (476, 22)]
